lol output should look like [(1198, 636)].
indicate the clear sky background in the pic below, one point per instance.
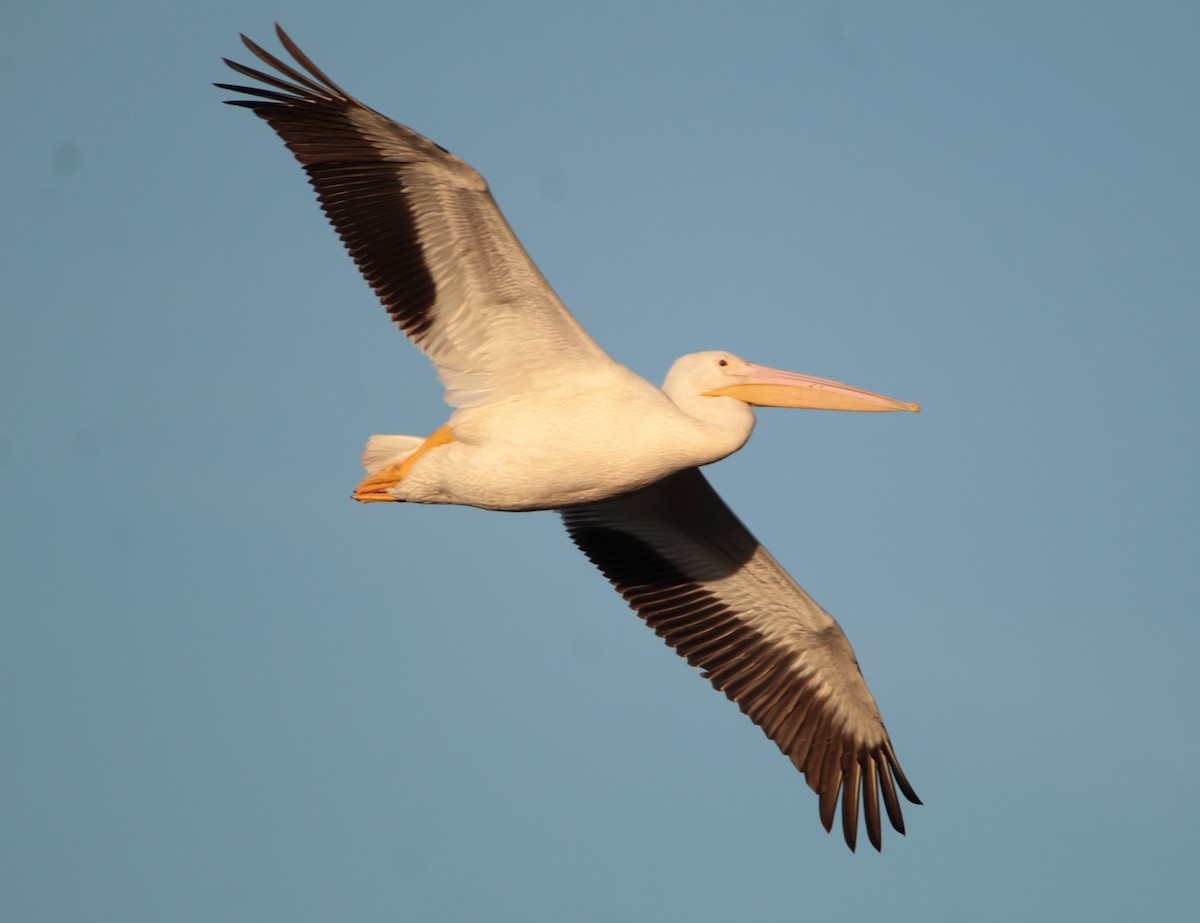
[(229, 692)]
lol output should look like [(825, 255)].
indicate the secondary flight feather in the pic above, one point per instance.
[(544, 419)]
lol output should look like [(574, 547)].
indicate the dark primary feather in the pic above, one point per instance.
[(687, 566), (359, 162)]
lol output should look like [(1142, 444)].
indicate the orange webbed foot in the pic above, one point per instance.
[(375, 486)]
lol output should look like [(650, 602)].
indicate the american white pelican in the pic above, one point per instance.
[(544, 419)]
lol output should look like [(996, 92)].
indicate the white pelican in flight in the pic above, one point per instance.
[(543, 419)]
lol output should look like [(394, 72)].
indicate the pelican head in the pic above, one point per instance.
[(723, 375)]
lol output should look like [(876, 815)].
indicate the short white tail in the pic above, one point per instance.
[(388, 450)]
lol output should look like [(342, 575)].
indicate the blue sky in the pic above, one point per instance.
[(228, 691)]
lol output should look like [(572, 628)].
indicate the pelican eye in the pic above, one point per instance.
[(722, 362)]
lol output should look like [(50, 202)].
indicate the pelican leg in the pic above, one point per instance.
[(375, 486)]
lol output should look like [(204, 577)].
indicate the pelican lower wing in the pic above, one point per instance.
[(696, 575)]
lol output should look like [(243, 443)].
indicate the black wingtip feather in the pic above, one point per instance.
[(850, 789), (871, 803)]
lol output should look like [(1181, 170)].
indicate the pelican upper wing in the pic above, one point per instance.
[(425, 231), (698, 577)]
